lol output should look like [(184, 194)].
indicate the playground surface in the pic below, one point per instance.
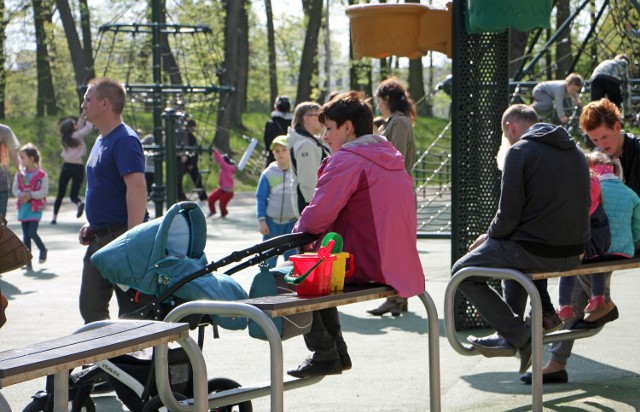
[(390, 369)]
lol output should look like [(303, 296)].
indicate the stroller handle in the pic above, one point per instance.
[(264, 250)]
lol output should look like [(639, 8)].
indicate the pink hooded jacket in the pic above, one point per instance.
[(225, 178), (365, 194)]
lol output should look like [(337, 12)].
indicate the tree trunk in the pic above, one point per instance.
[(169, 63), (416, 86), (360, 77), (309, 59), (85, 26), (271, 41), (416, 81), (3, 72), (228, 77), (563, 49), (242, 72), (517, 45), (77, 52), (46, 99)]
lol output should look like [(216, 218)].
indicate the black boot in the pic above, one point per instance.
[(392, 305)]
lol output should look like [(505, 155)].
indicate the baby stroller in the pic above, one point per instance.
[(164, 258)]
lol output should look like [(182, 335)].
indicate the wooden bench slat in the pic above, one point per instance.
[(291, 303), (589, 268), (71, 351)]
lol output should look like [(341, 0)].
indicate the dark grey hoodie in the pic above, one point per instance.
[(545, 195)]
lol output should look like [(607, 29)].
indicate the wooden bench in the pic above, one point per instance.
[(261, 310), (96, 342), (537, 331)]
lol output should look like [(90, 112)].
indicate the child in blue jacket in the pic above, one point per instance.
[(275, 209)]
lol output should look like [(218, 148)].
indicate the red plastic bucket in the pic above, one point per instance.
[(318, 282)]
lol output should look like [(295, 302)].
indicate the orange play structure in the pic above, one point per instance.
[(406, 30)]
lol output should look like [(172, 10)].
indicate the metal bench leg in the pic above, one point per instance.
[(434, 351), (536, 320), (161, 363), (240, 309), (61, 391)]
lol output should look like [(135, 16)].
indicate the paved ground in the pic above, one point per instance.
[(389, 354)]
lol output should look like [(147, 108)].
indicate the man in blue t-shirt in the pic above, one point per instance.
[(116, 196)]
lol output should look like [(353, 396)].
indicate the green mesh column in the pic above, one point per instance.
[(480, 96)]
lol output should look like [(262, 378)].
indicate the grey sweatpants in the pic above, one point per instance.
[(501, 314)]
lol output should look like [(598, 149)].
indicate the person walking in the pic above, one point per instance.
[(188, 161), (116, 196), (399, 112), (30, 187), (72, 132), (8, 153)]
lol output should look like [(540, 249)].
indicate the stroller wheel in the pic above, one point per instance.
[(223, 384), (40, 405), (156, 405), (85, 405), (36, 405)]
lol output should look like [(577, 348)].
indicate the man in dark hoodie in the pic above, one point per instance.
[(542, 224)]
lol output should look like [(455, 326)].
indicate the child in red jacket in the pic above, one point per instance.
[(224, 192)]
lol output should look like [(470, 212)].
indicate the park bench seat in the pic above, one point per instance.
[(537, 336), (589, 268), (106, 340), (290, 303), (262, 309)]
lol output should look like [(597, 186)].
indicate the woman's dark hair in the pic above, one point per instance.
[(393, 92), (282, 104), (67, 127), (351, 106)]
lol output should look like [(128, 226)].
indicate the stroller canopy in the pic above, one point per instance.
[(155, 255)]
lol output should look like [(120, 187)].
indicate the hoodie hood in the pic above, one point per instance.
[(555, 136), (286, 116), (376, 149)]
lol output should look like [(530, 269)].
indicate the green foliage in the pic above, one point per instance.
[(43, 132)]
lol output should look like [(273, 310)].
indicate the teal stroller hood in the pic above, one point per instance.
[(156, 255)]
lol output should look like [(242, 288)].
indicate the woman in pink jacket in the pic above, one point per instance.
[(365, 194)]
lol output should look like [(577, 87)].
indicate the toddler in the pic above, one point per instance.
[(615, 240), (275, 210), (30, 187), (224, 192)]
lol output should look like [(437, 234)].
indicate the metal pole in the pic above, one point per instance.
[(328, 50), (157, 109), (170, 116)]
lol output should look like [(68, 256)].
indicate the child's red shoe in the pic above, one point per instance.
[(596, 304), (566, 313)]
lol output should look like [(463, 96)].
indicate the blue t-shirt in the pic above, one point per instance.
[(112, 157)]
